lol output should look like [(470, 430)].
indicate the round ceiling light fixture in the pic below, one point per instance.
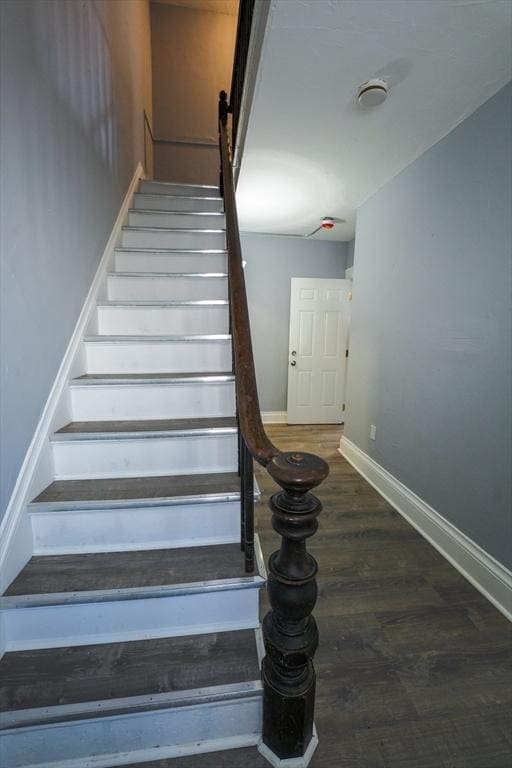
[(327, 222), (372, 93)]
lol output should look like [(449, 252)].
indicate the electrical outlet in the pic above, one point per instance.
[(373, 431)]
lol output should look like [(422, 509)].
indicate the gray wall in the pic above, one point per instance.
[(192, 59), (430, 354), (350, 253), (271, 263), (75, 77)]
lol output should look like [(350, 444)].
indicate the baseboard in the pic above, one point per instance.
[(291, 762), (489, 576), (37, 468), (273, 417)]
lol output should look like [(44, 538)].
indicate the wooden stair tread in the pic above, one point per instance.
[(87, 378), (170, 275), (59, 676), (52, 574), (180, 251), (152, 228), (166, 303), (138, 338), (159, 211), (147, 425), (131, 488)]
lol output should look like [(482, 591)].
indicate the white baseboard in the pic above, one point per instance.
[(273, 417), (36, 472), (291, 762), (489, 576)]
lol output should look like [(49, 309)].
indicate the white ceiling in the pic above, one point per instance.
[(311, 150), (215, 6)]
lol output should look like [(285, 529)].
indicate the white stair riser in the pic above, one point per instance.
[(152, 401), (163, 188), (151, 288), (113, 621), (135, 737), (160, 357), (173, 262), (183, 220), (133, 320), (151, 238), (174, 203), (147, 456), (125, 528)]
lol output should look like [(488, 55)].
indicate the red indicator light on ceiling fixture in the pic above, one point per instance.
[(327, 222)]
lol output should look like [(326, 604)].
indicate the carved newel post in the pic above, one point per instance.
[(289, 630)]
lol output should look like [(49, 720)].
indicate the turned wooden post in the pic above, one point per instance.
[(289, 630)]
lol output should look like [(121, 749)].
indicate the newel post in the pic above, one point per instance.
[(289, 630)]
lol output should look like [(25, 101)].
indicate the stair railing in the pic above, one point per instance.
[(148, 138), (243, 36), (289, 630)]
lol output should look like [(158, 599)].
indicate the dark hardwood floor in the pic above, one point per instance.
[(50, 574), (85, 673), (414, 665)]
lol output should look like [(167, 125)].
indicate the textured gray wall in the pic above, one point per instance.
[(430, 352), (74, 79), (350, 253), (272, 260)]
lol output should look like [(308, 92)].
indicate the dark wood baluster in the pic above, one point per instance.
[(243, 36), (248, 507), (223, 117), (289, 630), (239, 444), (242, 454)]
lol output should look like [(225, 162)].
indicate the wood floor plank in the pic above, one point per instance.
[(124, 570), (54, 676), (87, 378), (120, 488), (471, 740), (147, 425)]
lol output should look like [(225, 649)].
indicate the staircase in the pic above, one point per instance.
[(133, 631)]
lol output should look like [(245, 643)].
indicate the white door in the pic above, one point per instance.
[(319, 322)]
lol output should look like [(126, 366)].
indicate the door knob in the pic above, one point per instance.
[(293, 362)]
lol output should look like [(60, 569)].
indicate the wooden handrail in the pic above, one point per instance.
[(262, 449), (251, 425), (289, 629)]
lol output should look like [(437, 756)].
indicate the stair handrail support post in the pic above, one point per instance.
[(290, 633)]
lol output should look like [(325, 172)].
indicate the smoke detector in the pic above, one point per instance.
[(327, 223), (372, 93)]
